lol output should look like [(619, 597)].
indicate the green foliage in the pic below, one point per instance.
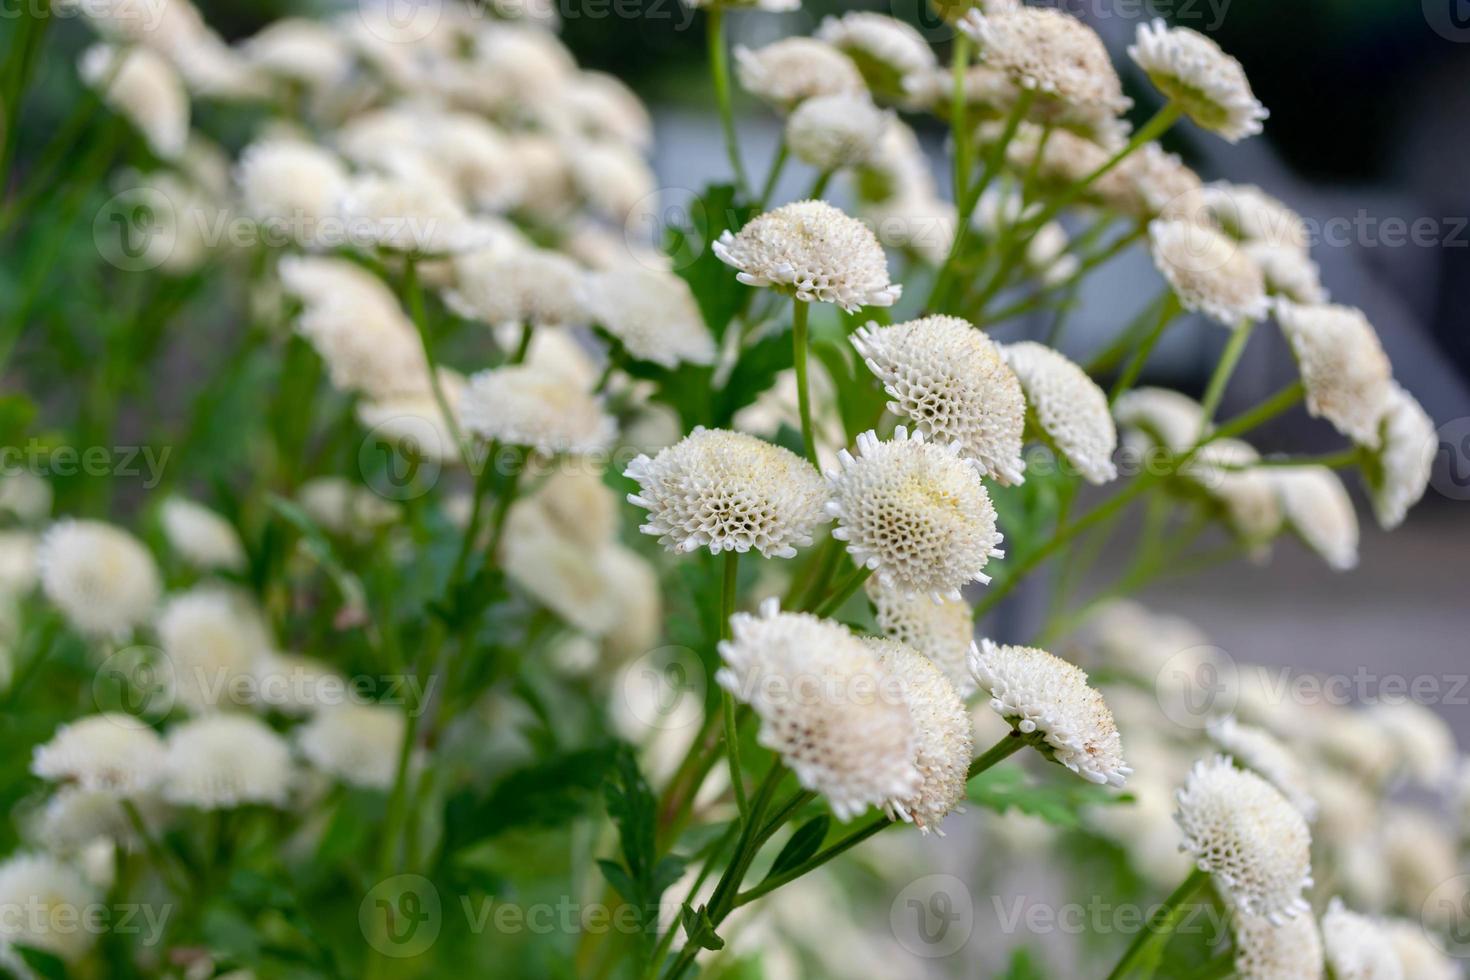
[(643, 876), (803, 844), (1058, 802)]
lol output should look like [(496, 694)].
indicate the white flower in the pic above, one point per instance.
[(915, 513), (477, 157), (304, 51), (519, 285), (1265, 950), (1348, 378), (886, 50), (727, 491), (112, 753), (25, 495), (814, 251), (1420, 958), (787, 71), (561, 573), (1227, 470), (1051, 52), (1252, 841), (1263, 753), (211, 638), (223, 761), (1209, 272), (773, 6), (407, 213), (1423, 741), (943, 631), (201, 537), (945, 740), (653, 314), (46, 903), (1357, 947), (414, 422), (1318, 508), (1068, 407), (1161, 181), (291, 185), (923, 224), (1420, 853), (1041, 694), (1170, 419), (1192, 71), (951, 381), (1289, 272), (633, 582), (293, 684), (831, 132), (342, 507), (357, 743), (607, 109), (100, 576), (18, 572), (144, 87), (526, 405), (75, 818), (827, 706), (1250, 214)]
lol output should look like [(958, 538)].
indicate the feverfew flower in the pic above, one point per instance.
[(1423, 741), (1265, 950), (46, 902), (813, 251), (1250, 214), (943, 631), (1263, 753), (291, 185), (407, 213), (785, 72), (727, 491), (1318, 508), (100, 576), (519, 285), (1420, 958), (525, 405), (561, 573), (1209, 272), (1227, 470), (1169, 419), (211, 638), (1290, 272), (18, 571), (827, 706), (112, 753), (201, 537), (886, 50), (299, 50), (357, 743), (653, 314), (945, 739), (1252, 841), (1069, 408), (1192, 71), (1357, 947), (772, 6), (915, 513), (1348, 378), (1050, 51), (145, 88), (830, 132), (1043, 695), (223, 761), (951, 381)]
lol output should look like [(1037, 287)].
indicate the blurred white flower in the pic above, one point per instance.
[(1192, 71), (1068, 406), (98, 575), (224, 761)]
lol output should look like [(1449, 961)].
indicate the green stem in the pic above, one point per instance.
[(728, 592), (503, 504), (1341, 459), (1160, 924), (415, 296), (1229, 359), (167, 867), (483, 479), (720, 71), (958, 124), (1167, 314), (778, 164), (799, 313), (1008, 746), (817, 860), (844, 590), (523, 346), (1279, 403), (819, 186), (1110, 356)]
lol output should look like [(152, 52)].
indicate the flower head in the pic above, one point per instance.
[(300, 50), (943, 631), (1420, 958), (1249, 214), (1266, 950), (1051, 52), (1264, 754), (223, 761), (945, 739), (831, 132), (525, 405), (1208, 271), (1068, 407), (1208, 84), (211, 638), (950, 380), (1290, 272), (1041, 694), (1358, 948), (1251, 840), (1318, 508), (201, 537), (827, 705), (727, 491), (292, 184), (561, 573), (408, 212), (112, 753), (519, 285), (915, 513), (1169, 419), (1347, 375), (45, 902), (144, 87), (886, 50), (785, 72), (357, 743), (653, 314), (813, 251), (100, 576)]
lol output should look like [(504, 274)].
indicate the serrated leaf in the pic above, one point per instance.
[(803, 844), (618, 877), (1057, 802), (548, 793)]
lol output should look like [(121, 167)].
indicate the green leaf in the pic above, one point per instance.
[(753, 374), (1057, 802), (699, 928), (549, 793), (45, 964), (802, 845), (1023, 966), (719, 293), (618, 877), (642, 878)]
